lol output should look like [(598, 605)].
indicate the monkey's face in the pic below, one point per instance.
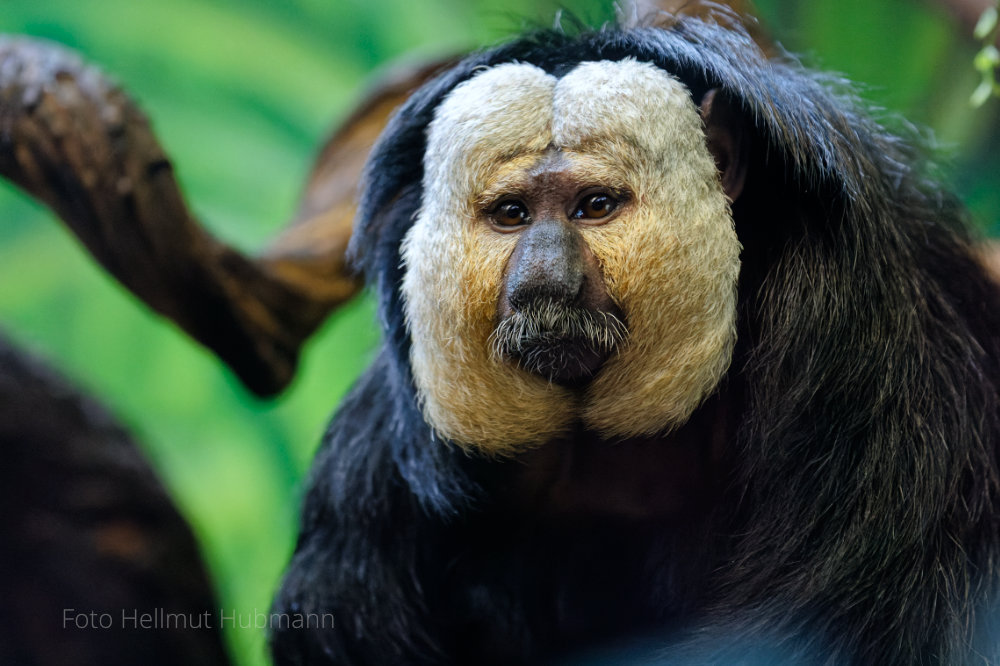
[(574, 258)]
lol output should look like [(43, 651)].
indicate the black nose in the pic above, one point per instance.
[(547, 265)]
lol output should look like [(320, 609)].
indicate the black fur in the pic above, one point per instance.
[(855, 519)]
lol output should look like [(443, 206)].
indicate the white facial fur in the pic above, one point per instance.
[(670, 260)]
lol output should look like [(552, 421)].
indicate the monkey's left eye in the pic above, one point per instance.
[(595, 207)]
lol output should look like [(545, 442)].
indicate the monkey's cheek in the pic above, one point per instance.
[(681, 326)]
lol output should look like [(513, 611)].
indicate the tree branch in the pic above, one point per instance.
[(76, 142)]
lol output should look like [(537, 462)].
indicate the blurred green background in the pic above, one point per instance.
[(241, 93)]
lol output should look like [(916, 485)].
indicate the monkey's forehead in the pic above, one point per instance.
[(514, 109)]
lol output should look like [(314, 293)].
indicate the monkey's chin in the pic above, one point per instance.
[(569, 363)]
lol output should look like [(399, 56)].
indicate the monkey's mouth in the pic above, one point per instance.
[(564, 344)]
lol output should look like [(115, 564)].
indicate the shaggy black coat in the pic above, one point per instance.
[(857, 518)]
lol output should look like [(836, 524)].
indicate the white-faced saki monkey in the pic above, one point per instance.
[(685, 358)]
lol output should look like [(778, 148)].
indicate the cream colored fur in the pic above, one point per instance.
[(670, 258)]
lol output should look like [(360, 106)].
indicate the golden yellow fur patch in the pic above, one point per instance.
[(670, 260)]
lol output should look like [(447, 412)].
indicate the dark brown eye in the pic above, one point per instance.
[(511, 214), (595, 206)]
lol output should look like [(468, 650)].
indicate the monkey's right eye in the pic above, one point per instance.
[(510, 214)]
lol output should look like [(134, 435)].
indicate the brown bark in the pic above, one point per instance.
[(90, 539), (71, 138)]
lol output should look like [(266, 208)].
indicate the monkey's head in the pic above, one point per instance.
[(573, 258), (550, 228)]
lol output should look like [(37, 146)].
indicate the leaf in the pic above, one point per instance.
[(981, 94), (987, 59), (987, 23)]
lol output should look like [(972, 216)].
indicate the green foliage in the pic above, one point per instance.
[(910, 58), (241, 93), (987, 61)]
